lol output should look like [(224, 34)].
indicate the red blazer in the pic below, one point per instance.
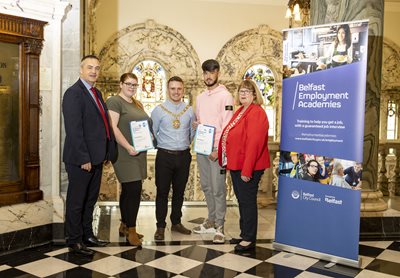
[(247, 142)]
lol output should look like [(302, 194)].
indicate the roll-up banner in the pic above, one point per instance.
[(323, 103)]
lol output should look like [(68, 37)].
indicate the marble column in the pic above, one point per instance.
[(330, 11)]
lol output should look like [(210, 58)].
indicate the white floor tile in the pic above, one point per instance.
[(372, 274), (365, 261), (390, 255), (306, 274), (4, 267), (292, 260), (57, 252), (220, 247), (112, 250), (234, 262), (167, 248), (265, 245), (174, 264), (245, 275), (111, 265), (46, 267), (378, 244)]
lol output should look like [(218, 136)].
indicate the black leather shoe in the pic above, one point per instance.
[(80, 248), (159, 234), (242, 248), (235, 240), (94, 241)]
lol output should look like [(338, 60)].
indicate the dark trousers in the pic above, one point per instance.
[(129, 202), (82, 194), (246, 193), (171, 168)]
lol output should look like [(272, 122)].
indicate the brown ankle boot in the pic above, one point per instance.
[(133, 238), (123, 231)]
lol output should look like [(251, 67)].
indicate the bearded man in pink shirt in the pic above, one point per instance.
[(214, 107)]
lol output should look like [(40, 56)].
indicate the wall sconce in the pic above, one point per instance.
[(298, 10)]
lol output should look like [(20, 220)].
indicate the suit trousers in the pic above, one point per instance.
[(213, 184), (83, 191), (246, 193), (172, 167)]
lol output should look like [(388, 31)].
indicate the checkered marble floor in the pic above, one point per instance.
[(191, 256), (194, 259)]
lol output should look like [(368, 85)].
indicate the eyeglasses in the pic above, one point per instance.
[(245, 92), (133, 85)]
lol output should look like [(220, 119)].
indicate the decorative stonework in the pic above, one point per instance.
[(390, 66), (150, 41), (262, 45)]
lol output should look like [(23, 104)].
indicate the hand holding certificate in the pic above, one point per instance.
[(141, 136), (204, 139)]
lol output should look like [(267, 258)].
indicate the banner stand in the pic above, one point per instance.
[(317, 255)]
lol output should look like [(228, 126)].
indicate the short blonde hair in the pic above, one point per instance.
[(252, 86)]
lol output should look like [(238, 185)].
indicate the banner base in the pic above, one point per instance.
[(317, 255)]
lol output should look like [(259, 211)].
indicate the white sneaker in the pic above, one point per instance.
[(219, 236), (206, 228)]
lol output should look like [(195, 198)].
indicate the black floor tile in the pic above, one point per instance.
[(15, 273), (337, 270), (22, 257), (79, 272), (259, 253), (265, 269), (145, 271), (210, 271), (384, 267), (198, 253), (369, 251), (80, 259), (394, 246), (141, 255)]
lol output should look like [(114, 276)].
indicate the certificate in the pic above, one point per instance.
[(141, 136), (204, 139)]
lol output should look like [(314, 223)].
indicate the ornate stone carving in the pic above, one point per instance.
[(262, 45), (149, 40), (390, 66)]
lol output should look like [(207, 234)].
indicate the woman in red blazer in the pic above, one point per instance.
[(243, 149)]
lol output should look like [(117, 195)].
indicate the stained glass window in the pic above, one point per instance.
[(152, 84), (265, 80), (264, 77)]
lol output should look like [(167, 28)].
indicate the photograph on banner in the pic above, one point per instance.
[(323, 89), (323, 47), (321, 169)]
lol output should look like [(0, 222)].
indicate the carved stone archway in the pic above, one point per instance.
[(144, 41), (262, 45)]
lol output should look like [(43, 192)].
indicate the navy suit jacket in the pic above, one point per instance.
[(85, 139)]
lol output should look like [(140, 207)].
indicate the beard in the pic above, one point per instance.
[(213, 82)]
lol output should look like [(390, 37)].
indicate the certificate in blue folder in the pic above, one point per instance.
[(141, 136), (204, 139)]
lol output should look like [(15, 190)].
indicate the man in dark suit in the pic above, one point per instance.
[(87, 140)]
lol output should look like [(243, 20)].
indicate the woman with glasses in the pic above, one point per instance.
[(131, 166), (243, 149), (312, 171)]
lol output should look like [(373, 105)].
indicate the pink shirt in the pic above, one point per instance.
[(215, 108)]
